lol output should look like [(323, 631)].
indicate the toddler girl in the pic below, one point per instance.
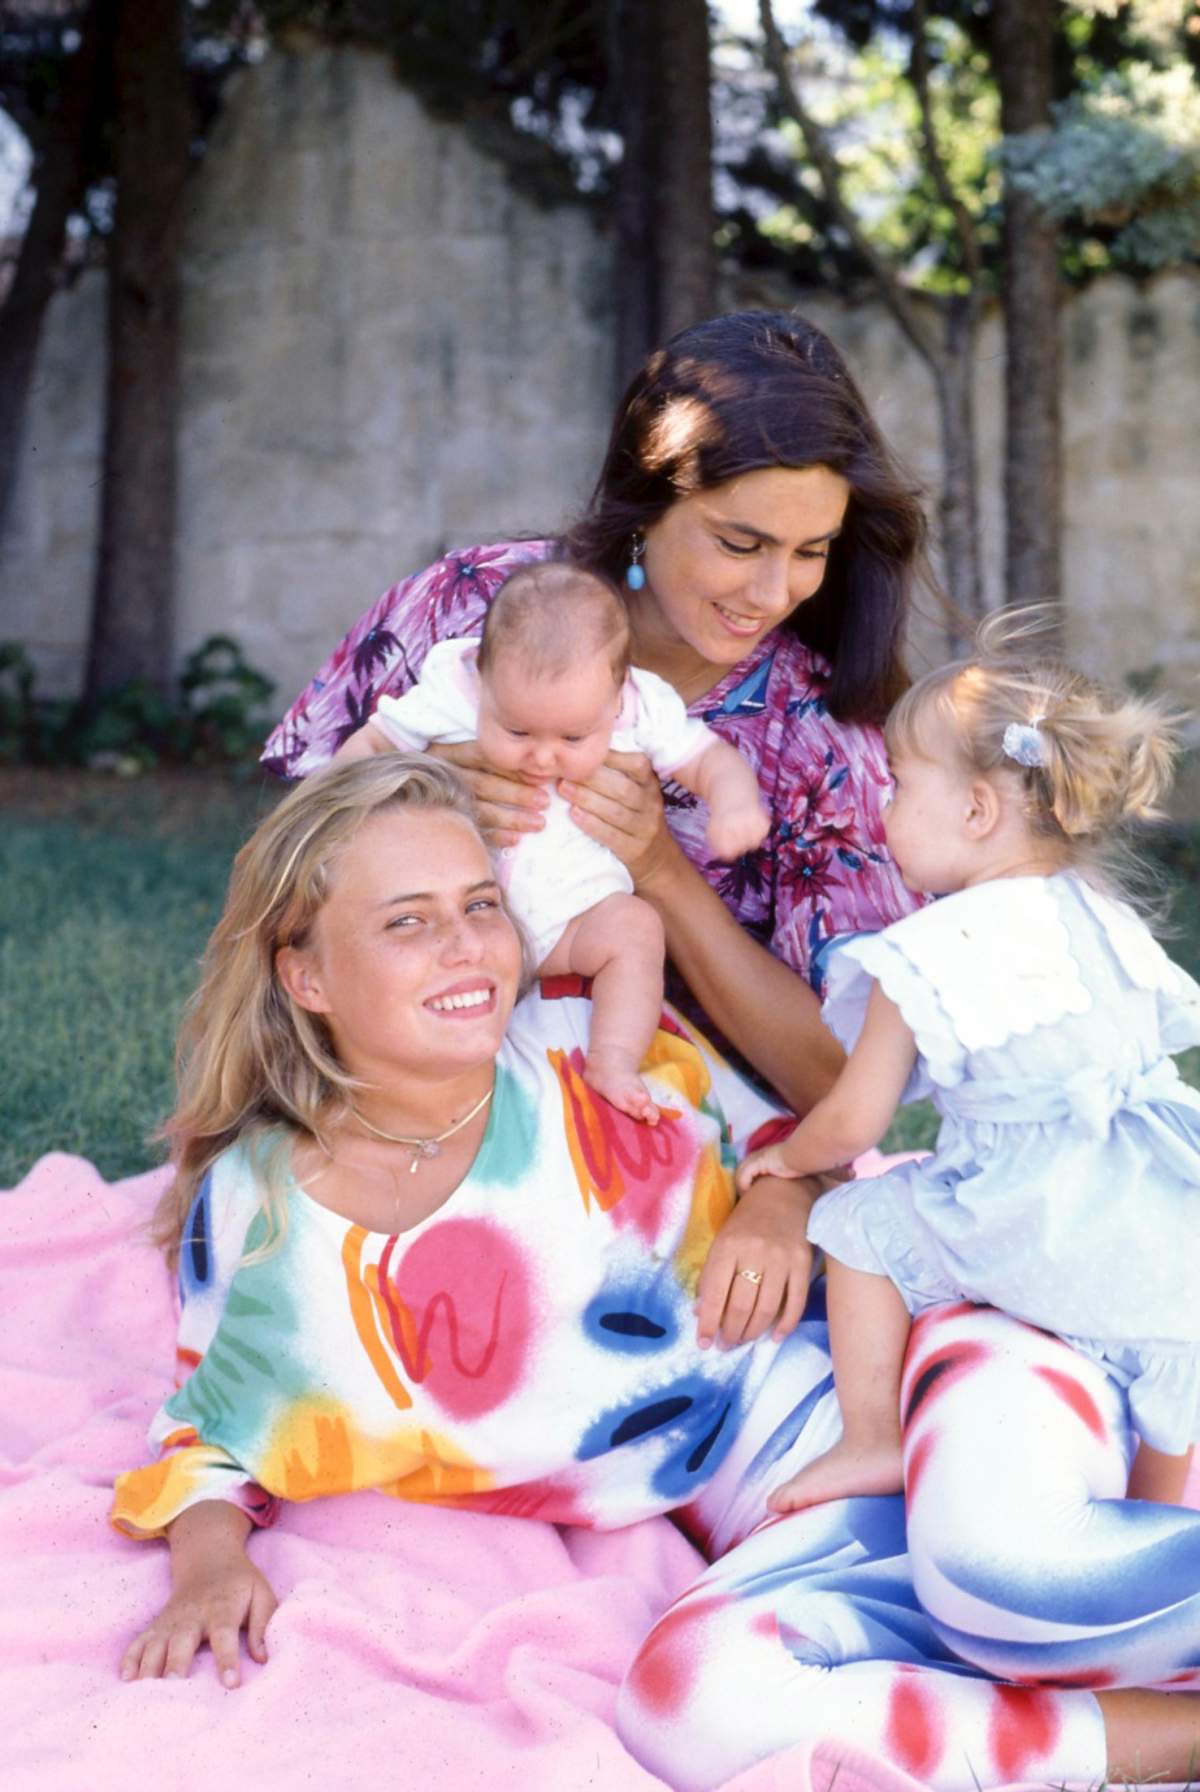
[(547, 690), (1039, 1013)]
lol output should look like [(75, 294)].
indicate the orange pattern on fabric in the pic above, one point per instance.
[(444, 1474), (317, 1450), (609, 1151), (674, 1059), (712, 1203), (396, 1321), (311, 1454), (147, 1499), (363, 1291), (177, 1440)]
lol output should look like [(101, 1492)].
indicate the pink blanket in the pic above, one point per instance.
[(413, 1646)]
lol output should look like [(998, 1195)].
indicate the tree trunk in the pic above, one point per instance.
[(634, 61), (663, 212), (131, 617), (686, 254), (1022, 59), (61, 173), (958, 503)]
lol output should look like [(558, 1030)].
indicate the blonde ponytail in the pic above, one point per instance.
[(1092, 761)]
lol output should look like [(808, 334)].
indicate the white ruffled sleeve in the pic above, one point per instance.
[(856, 964), (1148, 966), (1179, 1013), (1164, 1399)]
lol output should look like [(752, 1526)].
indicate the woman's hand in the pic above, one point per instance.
[(217, 1591), (507, 806), (766, 1234), (621, 806)]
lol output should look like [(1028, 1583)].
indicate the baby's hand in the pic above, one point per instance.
[(770, 1161), (737, 830)]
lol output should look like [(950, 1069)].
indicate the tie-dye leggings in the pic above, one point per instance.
[(1026, 1561)]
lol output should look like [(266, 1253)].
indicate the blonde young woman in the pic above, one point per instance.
[(418, 1254)]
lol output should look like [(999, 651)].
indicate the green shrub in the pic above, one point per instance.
[(217, 715)]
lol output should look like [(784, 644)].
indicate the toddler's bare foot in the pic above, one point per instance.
[(615, 1076), (872, 1465)]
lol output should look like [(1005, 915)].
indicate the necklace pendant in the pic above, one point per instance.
[(430, 1147)]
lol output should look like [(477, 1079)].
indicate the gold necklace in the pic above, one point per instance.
[(423, 1148)]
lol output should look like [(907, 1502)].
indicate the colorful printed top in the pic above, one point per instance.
[(823, 869), (529, 1348)]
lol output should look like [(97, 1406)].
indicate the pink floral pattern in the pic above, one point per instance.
[(822, 871)]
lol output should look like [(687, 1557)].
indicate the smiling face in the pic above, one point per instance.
[(412, 960), (543, 728), (726, 565)]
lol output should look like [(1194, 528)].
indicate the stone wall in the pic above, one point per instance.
[(388, 350)]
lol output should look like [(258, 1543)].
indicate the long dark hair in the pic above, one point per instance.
[(758, 389)]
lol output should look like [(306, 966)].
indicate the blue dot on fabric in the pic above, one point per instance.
[(195, 1256), (633, 1317), (696, 1419)]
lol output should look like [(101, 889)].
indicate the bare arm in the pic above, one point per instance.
[(768, 1011), (364, 742), (216, 1591), (1156, 1476), (856, 1112), (738, 821)]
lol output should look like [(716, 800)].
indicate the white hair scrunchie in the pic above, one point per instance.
[(1024, 742)]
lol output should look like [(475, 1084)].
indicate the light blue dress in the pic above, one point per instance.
[(1065, 1184)]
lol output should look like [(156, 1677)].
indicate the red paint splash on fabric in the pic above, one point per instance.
[(666, 1669), (916, 1462), (460, 1313), (1024, 1728), (915, 1731), (1076, 1397)]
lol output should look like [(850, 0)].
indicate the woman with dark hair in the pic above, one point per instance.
[(766, 542)]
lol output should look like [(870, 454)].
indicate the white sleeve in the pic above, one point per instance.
[(859, 961), (660, 726), (442, 706)]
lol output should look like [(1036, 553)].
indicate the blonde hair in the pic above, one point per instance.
[(249, 1058), (1106, 759), (556, 614)]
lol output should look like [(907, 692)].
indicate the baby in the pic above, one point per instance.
[(547, 690)]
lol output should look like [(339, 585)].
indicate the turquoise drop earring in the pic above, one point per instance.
[(635, 572)]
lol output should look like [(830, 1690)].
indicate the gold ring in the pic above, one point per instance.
[(752, 1275)]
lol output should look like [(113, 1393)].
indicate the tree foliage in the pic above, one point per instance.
[(1124, 159), (1118, 171)]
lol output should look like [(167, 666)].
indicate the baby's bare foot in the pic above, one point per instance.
[(874, 1465), (615, 1077)]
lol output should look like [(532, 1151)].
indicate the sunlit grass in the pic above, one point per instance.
[(105, 905)]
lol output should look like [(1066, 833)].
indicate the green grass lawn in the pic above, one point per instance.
[(108, 891)]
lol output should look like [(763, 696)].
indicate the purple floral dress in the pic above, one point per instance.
[(823, 869)]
